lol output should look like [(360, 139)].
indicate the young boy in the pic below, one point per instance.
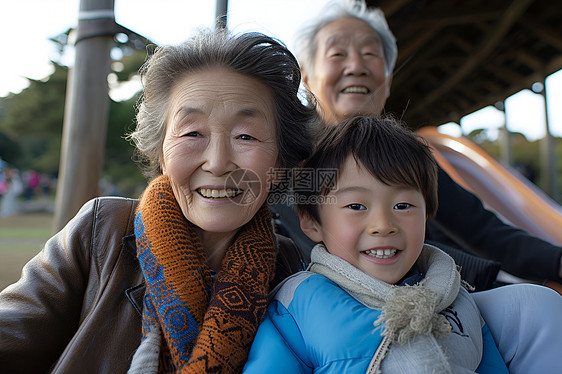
[(374, 297)]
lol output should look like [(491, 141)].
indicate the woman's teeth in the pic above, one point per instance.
[(381, 253), (218, 194)]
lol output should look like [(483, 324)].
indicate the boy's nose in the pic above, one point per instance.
[(381, 225)]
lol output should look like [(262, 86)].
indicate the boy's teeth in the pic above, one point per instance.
[(217, 194), (381, 253)]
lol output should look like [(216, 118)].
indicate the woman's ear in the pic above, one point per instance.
[(311, 228), (162, 165)]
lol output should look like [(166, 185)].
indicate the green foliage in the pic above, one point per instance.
[(31, 123), (33, 120), (9, 150), (119, 166), (526, 156)]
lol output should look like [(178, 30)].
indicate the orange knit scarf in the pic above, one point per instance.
[(208, 326)]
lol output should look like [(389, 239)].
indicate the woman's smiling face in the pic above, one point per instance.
[(219, 147)]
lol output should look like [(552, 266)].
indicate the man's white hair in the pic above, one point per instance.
[(306, 38)]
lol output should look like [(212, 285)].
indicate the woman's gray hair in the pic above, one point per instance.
[(252, 54), (306, 45)]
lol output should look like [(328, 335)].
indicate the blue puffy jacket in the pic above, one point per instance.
[(313, 325)]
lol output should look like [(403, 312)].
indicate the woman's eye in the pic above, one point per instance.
[(356, 206), (191, 134), (402, 206), (246, 137)]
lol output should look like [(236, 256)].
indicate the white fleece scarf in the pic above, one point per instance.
[(408, 312)]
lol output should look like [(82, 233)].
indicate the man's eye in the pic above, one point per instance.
[(371, 53), (402, 206), (356, 206)]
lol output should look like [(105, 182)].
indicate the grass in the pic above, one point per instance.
[(21, 237)]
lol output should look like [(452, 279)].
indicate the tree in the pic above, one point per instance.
[(31, 121), (9, 150)]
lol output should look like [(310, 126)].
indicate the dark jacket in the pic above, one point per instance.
[(464, 223), (77, 307)]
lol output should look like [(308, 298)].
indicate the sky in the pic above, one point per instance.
[(26, 26)]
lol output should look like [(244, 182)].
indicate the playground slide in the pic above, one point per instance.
[(502, 189)]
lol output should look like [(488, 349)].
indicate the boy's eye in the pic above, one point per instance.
[(356, 206), (402, 206)]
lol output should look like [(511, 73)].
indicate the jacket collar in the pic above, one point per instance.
[(134, 294)]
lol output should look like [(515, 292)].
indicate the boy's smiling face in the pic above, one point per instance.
[(377, 228)]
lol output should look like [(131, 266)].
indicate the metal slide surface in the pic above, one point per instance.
[(502, 189)]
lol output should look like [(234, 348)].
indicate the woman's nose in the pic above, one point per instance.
[(218, 157)]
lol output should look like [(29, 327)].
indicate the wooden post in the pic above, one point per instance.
[(86, 110)]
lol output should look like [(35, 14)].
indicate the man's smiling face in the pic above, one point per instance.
[(348, 77)]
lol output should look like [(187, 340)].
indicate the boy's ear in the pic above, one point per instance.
[(310, 227)]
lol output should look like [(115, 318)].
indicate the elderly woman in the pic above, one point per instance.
[(347, 56), (188, 267)]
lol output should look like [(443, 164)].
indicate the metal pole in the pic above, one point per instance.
[(221, 11), (548, 158), (86, 111), (504, 137)]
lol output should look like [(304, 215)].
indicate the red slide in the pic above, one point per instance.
[(502, 189)]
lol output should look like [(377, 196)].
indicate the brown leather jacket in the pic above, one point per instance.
[(77, 307)]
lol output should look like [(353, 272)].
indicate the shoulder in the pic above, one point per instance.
[(314, 300), (107, 211), (329, 328), (305, 286), (112, 207), (103, 212), (106, 207), (100, 225)]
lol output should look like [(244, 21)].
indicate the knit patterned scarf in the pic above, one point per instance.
[(207, 325)]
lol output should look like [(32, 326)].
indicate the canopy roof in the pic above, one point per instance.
[(458, 56)]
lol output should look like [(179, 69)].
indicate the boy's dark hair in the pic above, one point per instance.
[(393, 154)]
